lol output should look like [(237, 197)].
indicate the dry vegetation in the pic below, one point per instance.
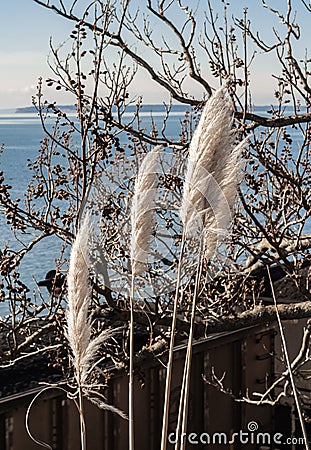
[(91, 163)]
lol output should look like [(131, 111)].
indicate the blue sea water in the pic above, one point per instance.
[(21, 135)]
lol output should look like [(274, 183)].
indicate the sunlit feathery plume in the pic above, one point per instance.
[(84, 349), (78, 330), (142, 224), (143, 211), (210, 189), (211, 178)]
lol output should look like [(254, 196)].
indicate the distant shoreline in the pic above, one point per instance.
[(147, 108), (131, 108)]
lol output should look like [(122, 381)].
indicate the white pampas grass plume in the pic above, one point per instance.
[(143, 211), (209, 194), (142, 222), (78, 329), (211, 178)]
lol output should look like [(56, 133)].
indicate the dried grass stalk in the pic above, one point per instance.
[(143, 211), (210, 190), (78, 331), (289, 367), (143, 222), (78, 328)]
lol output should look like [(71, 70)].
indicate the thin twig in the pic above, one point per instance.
[(131, 375)]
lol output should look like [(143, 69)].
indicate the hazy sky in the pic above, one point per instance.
[(24, 46)]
